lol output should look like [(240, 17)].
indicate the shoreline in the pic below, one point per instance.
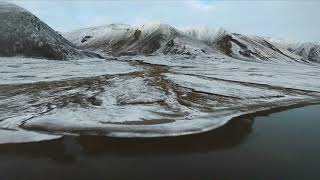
[(266, 111)]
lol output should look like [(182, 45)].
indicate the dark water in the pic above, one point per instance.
[(283, 145)]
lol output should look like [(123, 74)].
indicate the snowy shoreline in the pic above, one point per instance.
[(29, 136)]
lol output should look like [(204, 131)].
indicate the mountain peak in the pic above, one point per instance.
[(149, 28), (206, 34), (24, 34), (309, 51), (162, 38), (10, 7)]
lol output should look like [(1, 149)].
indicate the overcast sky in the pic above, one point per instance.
[(293, 20)]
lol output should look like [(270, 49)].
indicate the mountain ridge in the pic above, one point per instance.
[(24, 34), (310, 51), (162, 38), (129, 40)]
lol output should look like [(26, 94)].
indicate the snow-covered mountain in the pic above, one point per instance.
[(290, 45), (309, 51), (119, 39), (243, 46), (253, 47), (22, 33)]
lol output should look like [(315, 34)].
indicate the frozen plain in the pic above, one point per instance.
[(143, 96)]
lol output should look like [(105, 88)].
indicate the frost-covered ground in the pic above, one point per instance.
[(143, 96), (275, 73), (28, 70)]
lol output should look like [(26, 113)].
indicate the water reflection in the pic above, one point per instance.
[(263, 149), (230, 135), (67, 149)]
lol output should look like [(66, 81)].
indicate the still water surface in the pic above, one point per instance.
[(283, 145)]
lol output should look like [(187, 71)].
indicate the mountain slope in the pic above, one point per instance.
[(243, 46), (309, 51), (119, 39), (22, 33)]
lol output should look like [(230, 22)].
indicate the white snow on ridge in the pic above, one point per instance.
[(149, 28), (310, 51), (112, 32), (158, 38), (284, 43), (208, 35), (100, 34), (8, 7), (152, 38)]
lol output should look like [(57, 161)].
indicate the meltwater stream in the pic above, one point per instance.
[(282, 145)]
